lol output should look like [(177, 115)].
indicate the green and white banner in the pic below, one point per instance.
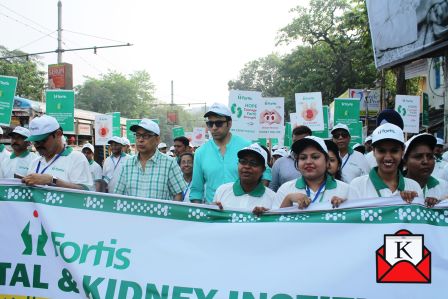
[(61, 105), (67, 244), (8, 87)]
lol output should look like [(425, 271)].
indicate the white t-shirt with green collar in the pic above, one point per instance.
[(111, 170), (4, 155), (70, 166), (372, 186), (331, 188), (232, 196), (17, 164), (354, 164), (436, 188)]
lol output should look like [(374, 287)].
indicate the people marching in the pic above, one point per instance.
[(230, 172)]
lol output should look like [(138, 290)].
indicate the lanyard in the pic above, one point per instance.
[(345, 162), (185, 191), (118, 162), (308, 192), (54, 160)]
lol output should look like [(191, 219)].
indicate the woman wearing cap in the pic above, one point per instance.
[(334, 159), (419, 161), (386, 179), (315, 185), (248, 192)]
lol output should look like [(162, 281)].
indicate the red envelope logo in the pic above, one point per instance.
[(403, 271)]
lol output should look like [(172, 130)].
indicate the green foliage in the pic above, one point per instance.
[(132, 95), (31, 80)]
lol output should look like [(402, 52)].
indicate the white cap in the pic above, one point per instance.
[(148, 125), (161, 145), (440, 141), (41, 127), (425, 138), (255, 148), (356, 145), (340, 126), (1, 131), (275, 147), (89, 146), (280, 152), (219, 109), (388, 131), (170, 154), (116, 139), (21, 131), (301, 144), (126, 141), (172, 148), (368, 138)]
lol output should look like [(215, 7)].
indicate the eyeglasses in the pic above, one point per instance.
[(251, 163), (341, 134), (186, 162), (217, 123), (145, 136)]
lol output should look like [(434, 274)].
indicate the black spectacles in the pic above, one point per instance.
[(342, 134), (251, 163), (145, 136), (217, 123)]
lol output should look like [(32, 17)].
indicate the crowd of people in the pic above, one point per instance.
[(233, 173)]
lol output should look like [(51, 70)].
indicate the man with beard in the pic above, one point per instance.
[(113, 164), (58, 165), (19, 161)]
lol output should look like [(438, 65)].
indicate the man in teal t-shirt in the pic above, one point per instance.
[(216, 162)]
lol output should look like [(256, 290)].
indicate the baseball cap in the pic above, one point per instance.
[(424, 138), (368, 138), (89, 146), (275, 147), (280, 152), (172, 148), (148, 125), (41, 127), (356, 145), (254, 148), (440, 141), (298, 146), (1, 131), (21, 131), (219, 109), (161, 145), (390, 116), (126, 141), (340, 127), (116, 139), (388, 131)]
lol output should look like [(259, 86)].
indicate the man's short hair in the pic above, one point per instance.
[(301, 130), (183, 139)]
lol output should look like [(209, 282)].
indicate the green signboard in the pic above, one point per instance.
[(129, 133), (324, 133), (7, 91), (346, 111), (425, 111), (288, 135), (355, 133), (178, 132), (262, 141), (274, 141), (61, 105), (116, 125)]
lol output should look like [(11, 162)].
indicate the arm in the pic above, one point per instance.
[(197, 183), (275, 182), (46, 179), (176, 182)]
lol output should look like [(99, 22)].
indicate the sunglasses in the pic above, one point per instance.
[(342, 134), (251, 163), (217, 123)]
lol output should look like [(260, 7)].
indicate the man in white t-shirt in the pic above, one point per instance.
[(19, 161), (95, 169), (58, 165), (354, 164), (4, 153), (113, 164)]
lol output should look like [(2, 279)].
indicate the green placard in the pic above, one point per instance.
[(355, 133), (425, 111), (274, 141), (61, 105), (116, 125), (8, 87), (178, 132), (288, 135), (129, 133), (346, 111), (262, 141), (324, 133)]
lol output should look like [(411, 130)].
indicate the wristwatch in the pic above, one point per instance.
[(54, 181)]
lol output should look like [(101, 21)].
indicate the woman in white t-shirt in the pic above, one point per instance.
[(386, 180), (419, 161), (316, 184), (248, 192)]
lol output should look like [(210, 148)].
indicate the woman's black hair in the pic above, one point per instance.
[(332, 147)]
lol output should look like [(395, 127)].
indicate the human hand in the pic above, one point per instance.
[(38, 179), (336, 201), (259, 210), (431, 201), (408, 196)]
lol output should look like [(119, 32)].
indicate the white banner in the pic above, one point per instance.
[(309, 110), (198, 136), (245, 117), (409, 109), (271, 113), (65, 244), (103, 129)]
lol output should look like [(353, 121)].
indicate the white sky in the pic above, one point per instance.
[(200, 44)]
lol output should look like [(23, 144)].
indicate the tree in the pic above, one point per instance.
[(132, 95), (31, 79)]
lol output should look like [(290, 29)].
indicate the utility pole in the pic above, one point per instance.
[(59, 32)]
